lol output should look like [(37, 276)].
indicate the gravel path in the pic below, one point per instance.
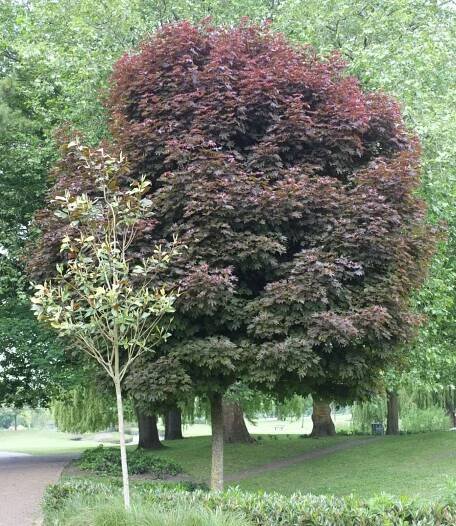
[(315, 453), (23, 479)]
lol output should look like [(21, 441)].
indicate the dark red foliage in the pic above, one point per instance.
[(245, 98), (294, 192)]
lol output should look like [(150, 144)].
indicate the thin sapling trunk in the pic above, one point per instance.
[(100, 298), (123, 449), (217, 442)]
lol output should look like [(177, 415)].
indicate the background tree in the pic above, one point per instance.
[(34, 366), (234, 426), (156, 385), (102, 301), (322, 423), (405, 48), (85, 409), (173, 424)]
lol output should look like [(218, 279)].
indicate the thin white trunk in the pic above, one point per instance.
[(123, 449), (217, 442)]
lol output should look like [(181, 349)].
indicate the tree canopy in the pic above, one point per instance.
[(293, 195), (55, 58), (33, 366), (294, 192)]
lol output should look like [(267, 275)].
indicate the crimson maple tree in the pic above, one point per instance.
[(294, 193)]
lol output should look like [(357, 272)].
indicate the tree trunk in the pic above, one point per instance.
[(123, 449), (392, 417), (148, 431), (234, 428), (217, 442), (323, 426), (173, 424)]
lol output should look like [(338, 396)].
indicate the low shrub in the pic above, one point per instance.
[(267, 509), (417, 420), (58, 495), (106, 461), (110, 511)]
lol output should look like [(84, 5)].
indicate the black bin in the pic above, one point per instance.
[(377, 428)]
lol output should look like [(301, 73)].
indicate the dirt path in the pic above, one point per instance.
[(23, 480), (309, 455)]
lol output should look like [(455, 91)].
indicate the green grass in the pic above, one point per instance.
[(407, 465), (194, 454), (41, 442)]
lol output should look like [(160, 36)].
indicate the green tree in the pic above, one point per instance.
[(34, 367), (55, 59), (84, 408), (99, 298)]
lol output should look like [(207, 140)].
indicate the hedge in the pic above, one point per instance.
[(272, 509)]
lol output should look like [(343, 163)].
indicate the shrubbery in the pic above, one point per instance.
[(417, 420), (109, 511), (267, 509), (413, 418), (107, 461)]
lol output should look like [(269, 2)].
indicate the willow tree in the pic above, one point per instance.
[(100, 298)]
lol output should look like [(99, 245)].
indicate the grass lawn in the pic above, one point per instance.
[(194, 454), (409, 465), (405, 465), (38, 442), (41, 442)]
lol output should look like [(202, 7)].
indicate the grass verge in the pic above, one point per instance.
[(405, 465)]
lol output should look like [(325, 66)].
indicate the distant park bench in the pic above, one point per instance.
[(279, 428)]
